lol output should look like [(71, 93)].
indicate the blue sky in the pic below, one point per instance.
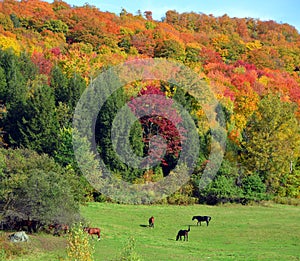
[(285, 11)]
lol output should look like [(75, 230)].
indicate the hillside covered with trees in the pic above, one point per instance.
[(50, 53)]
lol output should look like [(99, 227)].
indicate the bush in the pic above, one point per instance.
[(183, 196), (287, 201), (34, 186), (128, 253), (221, 190), (254, 188), (181, 199), (79, 245)]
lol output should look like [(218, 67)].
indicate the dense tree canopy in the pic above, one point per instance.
[(51, 52), (34, 187), (271, 142)]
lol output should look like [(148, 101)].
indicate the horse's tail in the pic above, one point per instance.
[(189, 229)]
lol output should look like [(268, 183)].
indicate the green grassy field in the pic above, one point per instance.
[(235, 233)]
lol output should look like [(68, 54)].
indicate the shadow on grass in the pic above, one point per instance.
[(144, 225)]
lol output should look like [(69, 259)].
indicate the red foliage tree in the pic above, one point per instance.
[(144, 43), (158, 117), (42, 63), (208, 55)]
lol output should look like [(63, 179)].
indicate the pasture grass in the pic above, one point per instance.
[(235, 232), (42, 247), (270, 232)]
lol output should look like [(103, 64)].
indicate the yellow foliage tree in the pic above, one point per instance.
[(8, 42), (79, 247), (253, 45)]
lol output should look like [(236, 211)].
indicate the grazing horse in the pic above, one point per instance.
[(93, 231), (184, 234), (58, 227), (64, 228), (202, 219), (151, 222), (31, 225)]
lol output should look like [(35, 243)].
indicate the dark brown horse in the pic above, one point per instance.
[(29, 225), (58, 228), (93, 231), (184, 234), (151, 222)]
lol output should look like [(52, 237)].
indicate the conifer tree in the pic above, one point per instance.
[(39, 125), (59, 83)]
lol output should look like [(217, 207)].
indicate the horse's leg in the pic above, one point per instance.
[(29, 228)]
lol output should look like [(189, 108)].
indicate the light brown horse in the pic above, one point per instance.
[(93, 231)]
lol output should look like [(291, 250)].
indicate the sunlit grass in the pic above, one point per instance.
[(235, 232)]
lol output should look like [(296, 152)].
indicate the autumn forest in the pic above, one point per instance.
[(51, 52)]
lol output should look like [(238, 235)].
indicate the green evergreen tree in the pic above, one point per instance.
[(64, 154), (76, 87), (16, 89), (59, 83), (105, 147), (27, 68), (3, 85), (39, 124), (2, 106), (13, 93), (15, 20)]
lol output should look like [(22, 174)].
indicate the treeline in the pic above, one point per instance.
[(37, 178), (51, 52), (261, 163)]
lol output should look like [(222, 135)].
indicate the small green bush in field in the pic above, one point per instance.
[(79, 245), (128, 253)]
